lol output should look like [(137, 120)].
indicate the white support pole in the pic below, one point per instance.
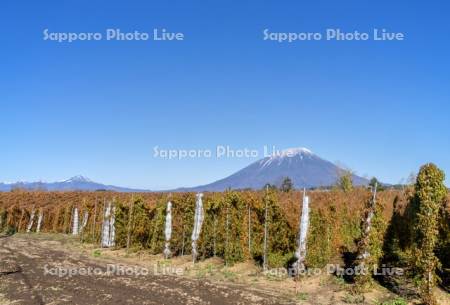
[(106, 226), (364, 251), (198, 221), (39, 222), (168, 230), (112, 228), (84, 221), (30, 223), (300, 254), (75, 224)]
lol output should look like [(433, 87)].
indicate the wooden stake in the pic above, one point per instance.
[(182, 244), (226, 236), (130, 215), (94, 220), (249, 231), (66, 212), (265, 232), (214, 233), (20, 221), (8, 218)]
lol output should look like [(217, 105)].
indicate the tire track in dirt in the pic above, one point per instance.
[(14, 273)]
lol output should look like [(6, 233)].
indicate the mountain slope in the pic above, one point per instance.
[(77, 183), (305, 169)]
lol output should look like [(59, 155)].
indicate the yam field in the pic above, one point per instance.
[(233, 225)]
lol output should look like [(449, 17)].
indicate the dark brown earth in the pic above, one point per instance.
[(23, 281)]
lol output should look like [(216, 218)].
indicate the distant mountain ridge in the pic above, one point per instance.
[(301, 165), (76, 183)]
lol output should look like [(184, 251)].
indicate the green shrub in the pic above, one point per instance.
[(371, 243), (397, 301), (279, 259), (319, 246), (156, 239), (428, 202)]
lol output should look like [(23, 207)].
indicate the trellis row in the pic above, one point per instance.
[(258, 232)]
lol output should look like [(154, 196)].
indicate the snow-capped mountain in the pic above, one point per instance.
[(76, 183), (302, 166)]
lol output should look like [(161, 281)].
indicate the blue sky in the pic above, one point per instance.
[(98, 108)]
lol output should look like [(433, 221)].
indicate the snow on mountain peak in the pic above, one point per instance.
[(287, 153), (291, 152), (78, 178)]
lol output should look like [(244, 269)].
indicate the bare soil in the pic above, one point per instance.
[(25, 258), (23, 280)]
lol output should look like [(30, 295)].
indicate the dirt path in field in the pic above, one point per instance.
[(28, 276)]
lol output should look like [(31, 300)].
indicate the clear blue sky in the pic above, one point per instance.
[(97, 108)]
